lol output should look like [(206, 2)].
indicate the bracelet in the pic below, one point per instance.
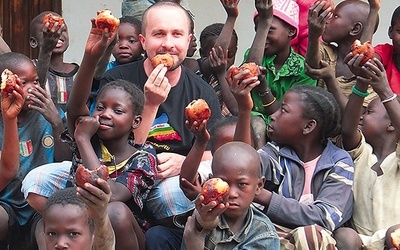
[(270, 103), (264, 92), (390, 98), (358, 92)]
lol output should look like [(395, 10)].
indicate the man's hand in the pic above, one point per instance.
[(169, 164)]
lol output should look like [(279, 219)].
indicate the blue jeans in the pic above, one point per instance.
[(164, 238)]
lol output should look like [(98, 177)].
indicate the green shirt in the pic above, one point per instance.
[(291, 74)]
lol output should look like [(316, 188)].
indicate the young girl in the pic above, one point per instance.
[(107, 135), (83, 223), (308, 179)]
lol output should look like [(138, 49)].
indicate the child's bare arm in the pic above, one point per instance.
[(96, 44), (224, 39), (97, 199), (265, 11), (46, 47), (85, 128), (218, 61), (194, 240), (104, 60), (353, 110), (11, 105), (241, 91), (192, 161), (42, 103), (316, 24), (368, 30)]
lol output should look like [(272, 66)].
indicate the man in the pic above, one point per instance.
[(166, 29)]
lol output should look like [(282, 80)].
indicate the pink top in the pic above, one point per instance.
[(386, 52)]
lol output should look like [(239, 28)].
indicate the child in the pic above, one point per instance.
[(239, 224), (125, 48), (218, 44), (39, 127), (106, 138), (276, 24), (308, 179), (118, 113), (372, 141), (388, 54), (75, 218), (355, 20), (55, 75)]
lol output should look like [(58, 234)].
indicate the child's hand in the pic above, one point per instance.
[(199, 130), (231, 7), (11, 103), (96, 198), (157, 86), (353, 62), (42, 103), (218, 60), (241, 88), (190, 190), (375, 75), (208, 215), (264, 9), (316, 21), (374, 4), (51, 37), (325, 72), (86, 127), (192, 237), (98, 40)]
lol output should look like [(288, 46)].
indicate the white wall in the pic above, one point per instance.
[(78, 13)]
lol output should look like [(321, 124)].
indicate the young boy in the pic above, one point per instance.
[(237, 223), (76, 218), (55, 75), (39, 127), (350, 20), (372, 141)]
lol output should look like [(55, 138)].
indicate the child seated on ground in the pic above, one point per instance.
[(305, 172), (372, 141), (76, 218), (234, 223)]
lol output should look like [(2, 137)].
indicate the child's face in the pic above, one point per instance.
[(115, 112), (278, 38), (340, 24), (394, 34), (374, 121), (240, 171), (288, 122), (26, 71), (128, 47), (67, 227), (192, 46), (62, 43)]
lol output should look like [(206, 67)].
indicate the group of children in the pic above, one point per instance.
[(307, 165)]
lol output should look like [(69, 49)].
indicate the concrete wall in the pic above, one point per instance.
[(78, 13)]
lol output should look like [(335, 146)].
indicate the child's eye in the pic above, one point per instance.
[(118, 111), (51, 234), (132, 40), (242, 184), (99, 108), (74, 234)]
